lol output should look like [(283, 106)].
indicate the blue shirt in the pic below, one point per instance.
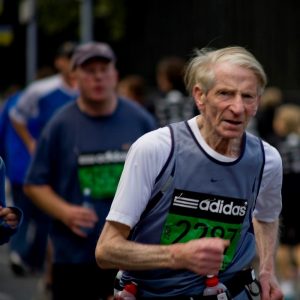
[(77, 151), (5, 230), (12, 148)]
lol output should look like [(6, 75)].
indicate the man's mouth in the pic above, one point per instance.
[(232, 122)]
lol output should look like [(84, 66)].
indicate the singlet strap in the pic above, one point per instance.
[(167, 183)]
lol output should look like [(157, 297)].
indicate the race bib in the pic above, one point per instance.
[(101, 172), (196, 215)]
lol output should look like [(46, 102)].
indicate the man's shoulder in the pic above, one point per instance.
[(158, 140), (273, 158), (271, 153), (58, 94), (47, 82), (136, 113), (42, 86), (9, 102), (67, 111), (270, 149), (64, 115)]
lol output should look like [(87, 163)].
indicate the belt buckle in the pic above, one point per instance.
[(254, 288), (222, 296)]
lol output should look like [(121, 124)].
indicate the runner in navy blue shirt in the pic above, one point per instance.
[(81, 155)]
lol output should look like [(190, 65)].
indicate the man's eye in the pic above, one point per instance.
[(249, 97), (224, 93)]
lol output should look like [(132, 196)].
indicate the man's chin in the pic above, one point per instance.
[(232, 134)]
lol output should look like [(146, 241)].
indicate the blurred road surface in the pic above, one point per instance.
[(18, 288)]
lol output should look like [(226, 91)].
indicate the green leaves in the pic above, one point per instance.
[(54, 16)]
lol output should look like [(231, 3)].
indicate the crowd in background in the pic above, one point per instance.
[(26, 133), (26, 112), (278, 122)]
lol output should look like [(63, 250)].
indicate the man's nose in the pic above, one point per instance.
[(237, 105), (98, 74)]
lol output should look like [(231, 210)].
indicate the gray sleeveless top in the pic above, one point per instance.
[(198, 196)]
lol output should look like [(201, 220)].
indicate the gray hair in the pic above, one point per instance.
[(200, 68)]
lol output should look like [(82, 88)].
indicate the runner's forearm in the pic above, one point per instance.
[(124, 254), (266, 241)]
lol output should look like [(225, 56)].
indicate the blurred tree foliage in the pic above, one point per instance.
[(57, 15)]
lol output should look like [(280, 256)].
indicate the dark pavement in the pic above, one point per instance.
[(18, 288)]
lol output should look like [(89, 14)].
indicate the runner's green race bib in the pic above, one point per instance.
[(101, 172), (196, 215)]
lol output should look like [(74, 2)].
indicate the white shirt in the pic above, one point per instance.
[(27, 106), (147, 157)]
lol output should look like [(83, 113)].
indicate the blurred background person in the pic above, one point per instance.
[(78, 163), (10, 217), (172, 103), (28, 114), (43, 97), (15, 157), (133, 87), (286, 126), (263, 121)]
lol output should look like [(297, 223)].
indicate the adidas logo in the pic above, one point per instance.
[(220, 208)]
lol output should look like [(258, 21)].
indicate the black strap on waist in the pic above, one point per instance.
[(242, 281)]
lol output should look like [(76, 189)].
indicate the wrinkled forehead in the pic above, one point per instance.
[(235, 74)]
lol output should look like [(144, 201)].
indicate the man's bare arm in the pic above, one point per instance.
[(266, 235), (74, 216), (203, 256), (25, 135)]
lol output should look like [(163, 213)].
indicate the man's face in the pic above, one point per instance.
[(228, 106), (97, 80)]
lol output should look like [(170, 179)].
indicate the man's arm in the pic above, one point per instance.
[(27, 108), (24, 134), (266, 235), (10, 219), (73, 216), (21, 112), (202, 256)]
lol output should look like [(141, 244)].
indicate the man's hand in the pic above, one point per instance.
[(77, 217), (9, 217), (203, 256), (270, 287)]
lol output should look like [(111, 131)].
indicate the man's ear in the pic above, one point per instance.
[(257, 106), (199, 97)]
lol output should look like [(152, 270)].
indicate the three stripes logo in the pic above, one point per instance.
[(198, 204), (186, 202)]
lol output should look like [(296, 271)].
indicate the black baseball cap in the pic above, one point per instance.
[(91, 50)]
